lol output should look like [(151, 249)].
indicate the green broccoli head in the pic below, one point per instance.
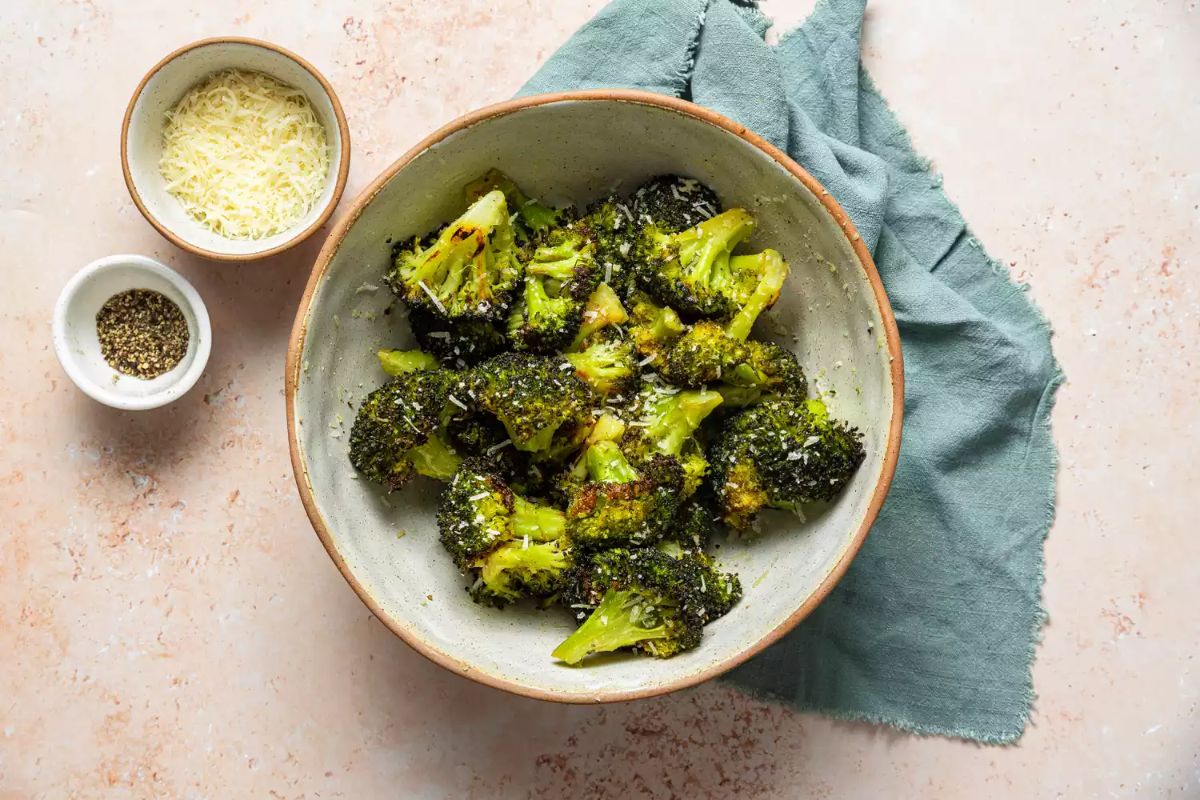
[(652, 328), (707, 355), (609, 366), (674, 203), (694, 525), (468, 271), (611, 225), (531, 218), (455, 343), (533, 396), (692, 270), (540, 323), (643, 599), (511, 546), (662, 423), (398, 430), (566, 257), (781, 454), (622, 506)]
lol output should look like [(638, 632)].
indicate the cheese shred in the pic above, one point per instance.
[(245, 154)]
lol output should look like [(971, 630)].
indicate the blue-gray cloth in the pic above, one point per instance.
[(934, 626)]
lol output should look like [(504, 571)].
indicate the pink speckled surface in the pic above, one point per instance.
[(171, 627)]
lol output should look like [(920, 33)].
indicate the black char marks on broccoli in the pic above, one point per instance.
[(620, 506), (674, 203), (532, 218), (509, 546), (644, 599), (469, 270), (611, 225), (455, 343), (533, 396), (781, 454)]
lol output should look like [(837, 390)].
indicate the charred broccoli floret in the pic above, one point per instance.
[(707, 355), (652, 328), (694, 270), (609, 366), (511, 546), (533, 396), (674, 203), (643, 599), (663, 423), (620, 505), (611, 225), (399, 430), (540, 323), (567, 258), (468, 271), (694, 526), (781, 454), (456, 343), (531, 217), (602, 310)]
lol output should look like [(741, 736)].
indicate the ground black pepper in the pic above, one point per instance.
[(142, 333)]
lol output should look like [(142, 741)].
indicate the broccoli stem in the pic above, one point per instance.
[(435, 458), (610, 627), (607, 464), (676, 417), (772, 270), (402, 362), (540, 523)]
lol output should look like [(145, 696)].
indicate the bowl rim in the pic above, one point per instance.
[(329, 250), (199, 312), (343, 164)]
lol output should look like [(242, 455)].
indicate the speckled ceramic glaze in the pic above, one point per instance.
[(832, 314)]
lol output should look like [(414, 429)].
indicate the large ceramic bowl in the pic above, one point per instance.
[(575, 147)]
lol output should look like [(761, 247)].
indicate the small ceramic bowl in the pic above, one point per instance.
[(574, 147), (161, 89), (78, 347)]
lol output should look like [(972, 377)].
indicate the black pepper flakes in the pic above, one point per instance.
[(142, 333)]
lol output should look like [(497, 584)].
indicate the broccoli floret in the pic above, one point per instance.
[(456, 343), (611, 225), (760, 277), (644, 599), (707, 355), (693, 270), (540, 323), (531, 217), (652, 328), (398, 430), (567, 258), (664, 424), (402, 362), (610, 366), (619, 505), (781, 454), (533, 396), (469, 271), (602, 310), (694, 526), (674, 203), (511, 546)]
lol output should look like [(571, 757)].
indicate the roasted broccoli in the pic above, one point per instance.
[(399, 430), (673, 203), (620, 505), (707, 355), (781, 454), (662, 423), (531, 218), (644, 599), (533, 396), (602, 310), (456, 343), (611, 225), (511, 546), (609, 366), (468, 271), (652, 328), (540, 323), (694, 270)]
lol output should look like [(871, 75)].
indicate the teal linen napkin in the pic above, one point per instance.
[(933, 628)]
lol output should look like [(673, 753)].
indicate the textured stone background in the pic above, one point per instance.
[(170, 626)]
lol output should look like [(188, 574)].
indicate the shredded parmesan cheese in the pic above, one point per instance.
[(244, 154)]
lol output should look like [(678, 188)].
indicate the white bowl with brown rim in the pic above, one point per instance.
[(575, 147), (142, 142)]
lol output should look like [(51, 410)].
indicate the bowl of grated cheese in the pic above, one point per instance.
[(235, 149)]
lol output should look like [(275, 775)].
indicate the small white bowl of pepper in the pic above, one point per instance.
[(131, 332)]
